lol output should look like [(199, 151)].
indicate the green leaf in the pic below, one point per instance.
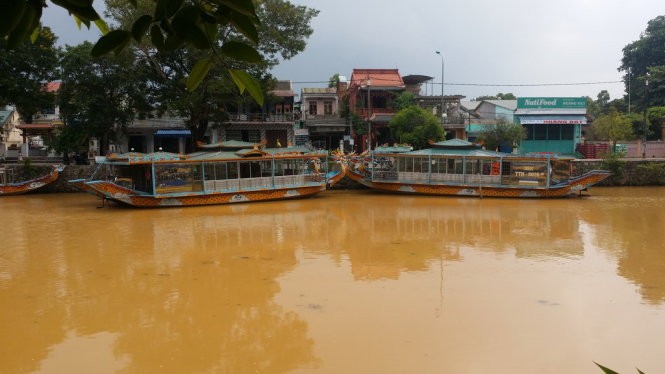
[(156, 37), (114, 41), (199, 72), (86, 12), (245, 26), (102, 26), (241, 51), (244, 82), (11, 12), (140, 27), (245, 7), (34, 35), (23, 29), (186, 25), (605, 370)]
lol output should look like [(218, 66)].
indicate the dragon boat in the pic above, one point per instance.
[(459, 168), (221, 173), (10, 186)]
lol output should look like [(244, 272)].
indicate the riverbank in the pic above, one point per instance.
[(625, 172)]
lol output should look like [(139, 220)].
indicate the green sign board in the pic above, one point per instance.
[(551, 103)]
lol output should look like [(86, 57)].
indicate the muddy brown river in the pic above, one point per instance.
[(346, 282)]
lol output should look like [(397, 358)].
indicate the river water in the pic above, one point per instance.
[(345, 282)]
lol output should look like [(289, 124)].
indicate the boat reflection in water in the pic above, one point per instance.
[(343, 282)]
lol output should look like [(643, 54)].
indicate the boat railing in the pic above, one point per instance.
[(416, 177), (261, 182)]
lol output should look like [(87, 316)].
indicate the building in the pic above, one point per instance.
[(553, 124), (451, 116), (320, 116), (10, 136), (370, 96), (43, 126), (486, 112)]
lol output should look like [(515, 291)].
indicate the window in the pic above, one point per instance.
[(312, 107), (540, 132), (567, 132), (327, 107), (553, 132)]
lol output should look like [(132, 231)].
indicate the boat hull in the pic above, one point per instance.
[(574, 186), (31, 185), (119, 194)]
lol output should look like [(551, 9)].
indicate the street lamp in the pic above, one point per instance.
[(442, 82), (644, 120), (369, 113)]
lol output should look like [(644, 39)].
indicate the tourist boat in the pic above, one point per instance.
[(459, 168), (226, 172), (8, 186)]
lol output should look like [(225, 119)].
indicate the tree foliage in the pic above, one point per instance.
[(24, 72), (613, 126), (169, 24), (282, 33), (100, 96), (646, 55), (499, 96), (502, 133), (415, 126), (404, 100)]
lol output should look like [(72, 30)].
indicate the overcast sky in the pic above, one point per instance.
[(484, 43)]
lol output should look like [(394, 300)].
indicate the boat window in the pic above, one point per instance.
[(266, 168), (172, 178), (472, 166), (438, 165), (455, 166), (232, 170)]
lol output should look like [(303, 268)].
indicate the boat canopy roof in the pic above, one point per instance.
[(146, 158)]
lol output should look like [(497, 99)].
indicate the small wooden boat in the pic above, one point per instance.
[(230, 172), (8, 186), (459, 168)]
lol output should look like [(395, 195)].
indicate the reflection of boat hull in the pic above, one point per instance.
[(31, 185), (571, 187), (114, 192)]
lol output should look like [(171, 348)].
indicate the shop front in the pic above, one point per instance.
[(552, 124)]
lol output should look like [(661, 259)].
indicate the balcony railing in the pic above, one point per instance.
[(263, 117)]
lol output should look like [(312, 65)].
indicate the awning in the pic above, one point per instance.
[(173, 133), (553, 120)]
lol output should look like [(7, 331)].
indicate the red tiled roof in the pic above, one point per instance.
[(52, 86), (377, 77)]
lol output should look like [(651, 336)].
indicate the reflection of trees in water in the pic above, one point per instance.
[(629, 225)]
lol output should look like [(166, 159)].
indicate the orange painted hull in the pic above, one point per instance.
[(30, 185), (575, 185), (126, 196)]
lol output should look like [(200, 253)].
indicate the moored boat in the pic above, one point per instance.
[(229, 172), (10, 186), (459, 168)]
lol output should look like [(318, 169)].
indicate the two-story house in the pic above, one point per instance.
[(370, 96), (43, 126), (320, 116)]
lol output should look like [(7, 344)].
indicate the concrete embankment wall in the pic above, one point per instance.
[(626, 172)]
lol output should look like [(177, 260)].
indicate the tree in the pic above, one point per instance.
[(499, 96), (24, 71), (99, 96), (502, 133), (283, 33), (415, 126), (639, 57), (613, 126), (171, 25), (656, 117), (404, 100), (333, 81)]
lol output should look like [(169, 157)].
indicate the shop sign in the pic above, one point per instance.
[(551, 103)]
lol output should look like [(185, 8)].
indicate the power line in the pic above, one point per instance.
[(489, 84)]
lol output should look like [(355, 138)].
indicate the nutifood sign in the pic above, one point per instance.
[(551, 103)]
